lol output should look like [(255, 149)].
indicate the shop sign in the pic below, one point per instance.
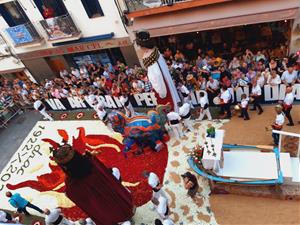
[(76, 48)]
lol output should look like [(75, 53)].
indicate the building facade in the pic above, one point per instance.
[(50, 35), (215, 22)]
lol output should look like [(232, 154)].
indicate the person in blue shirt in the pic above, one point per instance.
[(20, 203)]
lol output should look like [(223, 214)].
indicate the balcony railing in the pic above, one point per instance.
[(24, 34), (61, 28), (136, 5)]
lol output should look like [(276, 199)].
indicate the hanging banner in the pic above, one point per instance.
[(271, 94)]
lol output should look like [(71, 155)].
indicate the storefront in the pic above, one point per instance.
[(105, 56), (247, 22), (228, 42), (46, 64)]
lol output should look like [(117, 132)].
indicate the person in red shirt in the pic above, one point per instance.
[(48, 12)]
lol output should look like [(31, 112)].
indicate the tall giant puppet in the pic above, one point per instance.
[(158, 71), (92, 187)]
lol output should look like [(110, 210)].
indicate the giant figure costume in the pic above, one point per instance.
[(93, 188), (158, 71)]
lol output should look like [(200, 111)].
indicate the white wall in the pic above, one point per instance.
[(8, 63), (110, 22)]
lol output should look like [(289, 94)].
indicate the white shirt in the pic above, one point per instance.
[(225, 96), (184, 109), (173, 116), (52, 217), (203, 101), (76, 73), (3, 217), (279, 119), (37, 104), (274, 81), (183, 89), (289, 98), (289, 77), (244, 102), (261, 81), (212, 85), (256, 90)]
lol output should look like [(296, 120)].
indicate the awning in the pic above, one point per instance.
[(224, 15)]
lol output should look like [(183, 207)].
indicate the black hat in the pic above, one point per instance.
[(186, 174), (144, 40)]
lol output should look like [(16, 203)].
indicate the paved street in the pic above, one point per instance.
[(12, 137)]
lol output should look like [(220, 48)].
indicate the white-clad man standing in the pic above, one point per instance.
[(185, 94), (256, 94), (204, 107), (54, 217), (156, 185), (288, 105), (39, 106), (225, 102), (174, 122), (185, 114), (127, 105), (100, 110)]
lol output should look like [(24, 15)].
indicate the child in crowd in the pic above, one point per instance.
[(244, 107)]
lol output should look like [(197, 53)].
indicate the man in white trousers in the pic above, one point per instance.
[(127, 105), (54, 217), (204, 107), (174, 122), (185, 114), (39, 106)]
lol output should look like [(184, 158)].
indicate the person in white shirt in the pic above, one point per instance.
[(287, 105), (100, 110), (174, 122), (204, 107), (244, 107), (5, 217), (289, 76), (75, 72), (185, 94), (273, 79), (185, 114), (260, 79), (54, 217), (129, 111), (225, 97), (39, 106), (256, 95), (212, 88), (156, 185), (277, 125)]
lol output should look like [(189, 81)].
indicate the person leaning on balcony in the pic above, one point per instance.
[(48, 12)]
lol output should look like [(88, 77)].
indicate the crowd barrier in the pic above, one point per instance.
[(270, 94)]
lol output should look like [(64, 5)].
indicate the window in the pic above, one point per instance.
[(92, 8), (13, 13), (51, 8)]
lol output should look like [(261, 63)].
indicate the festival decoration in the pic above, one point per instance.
[(142, 130), (63, 116), (79, 115), (197, 154)]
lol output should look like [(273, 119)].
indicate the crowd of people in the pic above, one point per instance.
[(208, 73)]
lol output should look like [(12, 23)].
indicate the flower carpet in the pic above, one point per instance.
[(33, 174)]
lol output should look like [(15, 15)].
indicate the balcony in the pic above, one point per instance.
[(61, 29), (24, 35), (140, 8)]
